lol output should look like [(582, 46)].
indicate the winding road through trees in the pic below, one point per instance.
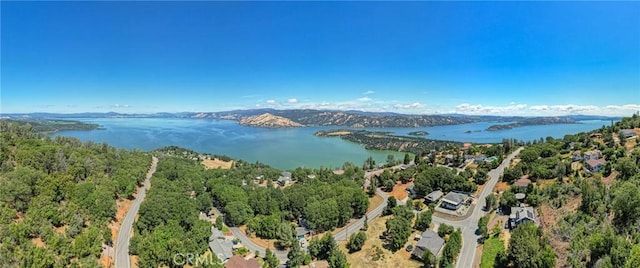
[(467, 225), (125, 232)]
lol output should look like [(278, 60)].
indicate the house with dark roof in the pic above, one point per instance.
[(520, 215), (429, 240), (594, 165), (238, 261), (479, 159), (627, 133), (434, 196), (454, 200)]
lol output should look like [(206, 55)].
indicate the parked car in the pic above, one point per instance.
[(409, 248)]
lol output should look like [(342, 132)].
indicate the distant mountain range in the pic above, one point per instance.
[(307, 117)]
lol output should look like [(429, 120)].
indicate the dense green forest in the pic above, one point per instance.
[(604, 229), (181, 188), (58, 196)]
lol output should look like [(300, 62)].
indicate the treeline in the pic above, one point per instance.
[(43, 126), (168, 218), (59, 195), (325, 202)]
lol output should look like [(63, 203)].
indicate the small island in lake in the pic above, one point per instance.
[(418, 133), (378, 140), (534, 121)]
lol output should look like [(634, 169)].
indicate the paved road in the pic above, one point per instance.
[(338, 236), (470, 224), (124, 234)]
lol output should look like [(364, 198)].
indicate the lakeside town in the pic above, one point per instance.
[(468, 205)]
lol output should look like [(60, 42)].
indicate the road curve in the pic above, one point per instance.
[(125, 232), (470, 224), (338, 236)]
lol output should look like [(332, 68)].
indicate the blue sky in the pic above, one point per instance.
[(520, 58)]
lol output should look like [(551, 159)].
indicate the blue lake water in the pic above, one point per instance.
[(291, 147)]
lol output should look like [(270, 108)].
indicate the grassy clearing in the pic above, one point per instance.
[(491, 248)]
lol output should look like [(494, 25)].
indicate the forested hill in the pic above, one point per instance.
[(589, 209), (51, 125), (59, 195)]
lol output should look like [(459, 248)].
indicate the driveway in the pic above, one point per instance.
[(125, 232)]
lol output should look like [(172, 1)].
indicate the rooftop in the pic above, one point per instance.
[(222, 247), (238, 262), (431, 241), (433, 196), (455, 198)]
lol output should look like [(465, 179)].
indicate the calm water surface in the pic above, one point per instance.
[(287, 148)]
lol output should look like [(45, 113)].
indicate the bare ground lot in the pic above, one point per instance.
[(373, 254), (216, 163)]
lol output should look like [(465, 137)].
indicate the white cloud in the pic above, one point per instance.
[(292, 100), (369, 92), (364, 99), (511, 109), (120, 106), (539, 107), (271, 102), (414, 105)]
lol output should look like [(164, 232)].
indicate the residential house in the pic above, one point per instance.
[(429, 240), (468, 157), (576, 156), (338, 171), (284, 181), (220, 245), (520, 215), (434, 196), (594, 165), (479, 159), (238, 261), (465, 146), (522, 182), (594, 154), (454, 200), (627, 133), (411, 189)]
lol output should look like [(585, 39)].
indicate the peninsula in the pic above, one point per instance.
[(379, 140), (534, 121)]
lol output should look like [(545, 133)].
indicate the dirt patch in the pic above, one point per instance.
[(61, 230), (133, 259), (501, 187), (122, 208), (216, 163), (38, 242), (339, 133), (374, 202), (399, 190), (549, 217), (610, 179), (373, 253), (514, 162)]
